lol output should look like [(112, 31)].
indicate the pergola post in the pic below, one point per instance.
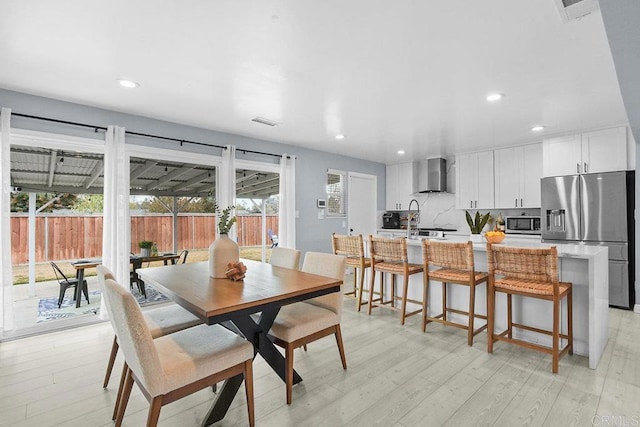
[(174, 212), (264, 230), (32, 244)]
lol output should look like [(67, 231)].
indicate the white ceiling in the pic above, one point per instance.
[(389, 75)]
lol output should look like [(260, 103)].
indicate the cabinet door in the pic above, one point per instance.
[(562, 155), (604, 150), (484, 181), (465, 180), (392, 187), (507, 171), (531, 175), (405, 184)]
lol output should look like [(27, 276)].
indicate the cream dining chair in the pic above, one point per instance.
[(160, 321), (285, 257), (303, 322), (173, 366)]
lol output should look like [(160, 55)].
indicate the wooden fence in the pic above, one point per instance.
[(76, 237)]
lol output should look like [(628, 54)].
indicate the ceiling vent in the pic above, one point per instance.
[(264, 121), (571, 10)]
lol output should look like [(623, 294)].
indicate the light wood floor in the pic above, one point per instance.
[(397, 376)]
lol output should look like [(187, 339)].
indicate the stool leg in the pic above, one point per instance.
[(556, 334), (425, 300), (371, 289), (405, 288), (472, 300), (393, 290), (491, 302), (570, 319), (509, 316), (359, 300), (444, 301)]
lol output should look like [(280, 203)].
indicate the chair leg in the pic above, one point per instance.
[(112, 359), (405, 289), (124, 398), (343, 358), (63, 290), (491, 302), (472, 304), (361, 289), (444, 301), (304, 347), (555, 334), (371, 289), (154, 411), (289, 372), (123, 377), (248, 389), (85, 290)]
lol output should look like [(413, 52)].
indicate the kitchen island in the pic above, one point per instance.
[(584, 266)]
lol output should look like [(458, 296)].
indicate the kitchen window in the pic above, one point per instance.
[(336, 193)]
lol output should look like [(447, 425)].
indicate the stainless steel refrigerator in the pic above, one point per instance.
[(595, 209)]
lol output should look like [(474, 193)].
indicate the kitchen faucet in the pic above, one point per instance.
[(412, 218)]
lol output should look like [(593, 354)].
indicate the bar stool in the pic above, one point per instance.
[(530, 273), (457, 267), (390, 256), (353, 248)]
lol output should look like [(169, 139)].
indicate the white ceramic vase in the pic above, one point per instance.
[(476, 238), (222, 251)]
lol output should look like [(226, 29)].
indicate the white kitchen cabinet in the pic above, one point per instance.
[(400, 186), (517, 174), (474, 181), (590, 152)]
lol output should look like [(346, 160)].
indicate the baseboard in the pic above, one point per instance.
[(636, 308)]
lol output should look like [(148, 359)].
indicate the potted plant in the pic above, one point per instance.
[(145, 247), (476, 224), (223, 250)]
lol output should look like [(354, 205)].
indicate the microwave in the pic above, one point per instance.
[(522, 225)]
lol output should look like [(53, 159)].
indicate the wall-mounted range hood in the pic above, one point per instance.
[(432, 175)]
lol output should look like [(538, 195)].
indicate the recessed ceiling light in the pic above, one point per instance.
[(400, 152), (537, 128), (339, 136), (495, 97), (129, 84)]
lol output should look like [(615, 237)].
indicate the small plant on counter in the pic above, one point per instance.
[(477, 223), (145, 244)]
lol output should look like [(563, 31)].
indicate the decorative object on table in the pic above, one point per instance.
[(145, 247), (154, 250), (476, 224), (494, 236), (223, 250), (235, 271)]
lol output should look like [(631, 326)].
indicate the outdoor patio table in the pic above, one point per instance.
[(136, 260), (264, 289)]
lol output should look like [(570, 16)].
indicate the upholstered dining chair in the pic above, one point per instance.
[(457, 268), (303, 322), (285, 257), (530, 273), (66, 283), (160, 321), (173, 366)]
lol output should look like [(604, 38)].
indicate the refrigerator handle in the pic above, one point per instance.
[(585, 168), (577, 167), (516, 201)]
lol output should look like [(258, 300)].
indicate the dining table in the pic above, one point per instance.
[(136, 260), (234, 305)]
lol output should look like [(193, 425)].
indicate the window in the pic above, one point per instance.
[(336, 193)]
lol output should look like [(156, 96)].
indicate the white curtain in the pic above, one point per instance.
[(6, 295), (116, 234), (287, 209), (227, 184)]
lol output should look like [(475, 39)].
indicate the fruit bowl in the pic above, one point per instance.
[(494, 236)]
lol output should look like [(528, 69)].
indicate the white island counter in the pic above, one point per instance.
[(584, 266)]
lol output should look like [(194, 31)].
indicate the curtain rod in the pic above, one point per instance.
[(146, 135)]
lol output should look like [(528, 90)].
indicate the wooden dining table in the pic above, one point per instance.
[(264, 290), (135, 260)]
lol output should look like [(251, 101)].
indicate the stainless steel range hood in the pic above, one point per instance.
[(432, 175)]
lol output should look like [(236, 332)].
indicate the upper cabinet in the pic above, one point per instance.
[(474, 178), (517, 176), (400, 186), (590, 152)]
